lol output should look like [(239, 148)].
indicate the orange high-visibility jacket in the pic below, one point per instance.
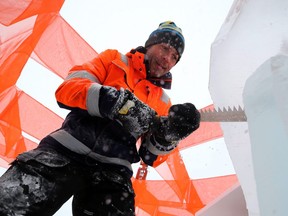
[(85, 128), (111, 68)]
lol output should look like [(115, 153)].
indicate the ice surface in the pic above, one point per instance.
[(265, 98), (253, 32)]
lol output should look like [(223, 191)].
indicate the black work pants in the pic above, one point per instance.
[(40, 182)]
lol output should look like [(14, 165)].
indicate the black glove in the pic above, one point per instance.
[(121, 105), (182, 120)]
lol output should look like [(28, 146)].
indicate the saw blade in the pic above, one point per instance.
[(223, 115)]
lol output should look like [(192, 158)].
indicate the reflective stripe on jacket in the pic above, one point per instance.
[(111, 68), (80, 93)]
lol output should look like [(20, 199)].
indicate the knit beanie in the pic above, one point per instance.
[(167, 32)]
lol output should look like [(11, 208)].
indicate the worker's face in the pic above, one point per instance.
[(161, 57)]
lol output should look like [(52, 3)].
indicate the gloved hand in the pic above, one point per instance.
[(182, 120), (121, 105)]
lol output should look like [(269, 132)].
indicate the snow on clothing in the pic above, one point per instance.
[(40, 181), (84, 131), (89, 157)]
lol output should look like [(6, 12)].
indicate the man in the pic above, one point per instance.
[(115, 100)]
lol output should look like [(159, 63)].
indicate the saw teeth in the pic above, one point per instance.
[(224, 114)]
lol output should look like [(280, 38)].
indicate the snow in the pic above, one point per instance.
[(249, 53), (65, 209)]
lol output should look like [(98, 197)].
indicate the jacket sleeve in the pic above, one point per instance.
[(154, 152), (81, 87)]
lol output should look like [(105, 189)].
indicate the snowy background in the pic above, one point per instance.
[(127, 24)]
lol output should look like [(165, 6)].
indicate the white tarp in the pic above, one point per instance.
[(253, 32)]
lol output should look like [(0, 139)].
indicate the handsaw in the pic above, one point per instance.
[(207, 115), (223, 115)]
